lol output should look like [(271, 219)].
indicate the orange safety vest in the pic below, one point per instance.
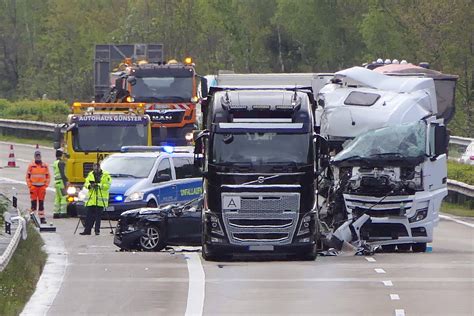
[(37, 175)]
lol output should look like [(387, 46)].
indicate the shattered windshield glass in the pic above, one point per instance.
[(394, 142)]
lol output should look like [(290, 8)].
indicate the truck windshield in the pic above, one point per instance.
[(394, 142), (109, 138), (261, 148), (133, 167), (166, 89)]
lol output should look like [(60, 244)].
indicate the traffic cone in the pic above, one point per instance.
[(11, 159)]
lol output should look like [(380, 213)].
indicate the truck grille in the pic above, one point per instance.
[(261, 218), (376, 207), (86, 168)]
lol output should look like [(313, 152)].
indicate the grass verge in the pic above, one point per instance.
[(18, 280), (461, 172), (13, 139), (457, 209)]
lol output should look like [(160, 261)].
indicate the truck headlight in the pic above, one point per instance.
[(215, 225), (135, 196), (419, 215), (305, 225), (71, 190)]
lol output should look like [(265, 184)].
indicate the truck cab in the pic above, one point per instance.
[(386, 141), (94, 131), (258, 160)]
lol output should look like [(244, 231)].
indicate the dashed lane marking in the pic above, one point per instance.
[(197, 285), (370, 259), (394, 297), (387, 283), (378, 270), (399, 312), (449, 218)]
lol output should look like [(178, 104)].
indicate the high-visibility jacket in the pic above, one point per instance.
[(59, 174), (37, 174), (98, 196)]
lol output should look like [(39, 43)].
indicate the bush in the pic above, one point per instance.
[(461, 172), (54, 111)]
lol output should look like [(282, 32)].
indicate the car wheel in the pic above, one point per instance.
[(388, 248), (152, 239), (152, 203), (419, 247)]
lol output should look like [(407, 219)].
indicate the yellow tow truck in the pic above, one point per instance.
[(94, 131)]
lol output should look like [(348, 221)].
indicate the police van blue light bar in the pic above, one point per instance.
[(163, 149), (118, 198)]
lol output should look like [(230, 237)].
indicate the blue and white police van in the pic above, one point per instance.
[(149, 177)]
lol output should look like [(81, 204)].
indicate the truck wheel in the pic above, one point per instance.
[(419, 247), (404, 247), (152, 239), (310, 254), (388, 248)]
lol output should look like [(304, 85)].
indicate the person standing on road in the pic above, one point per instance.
[(60, 184), (37, 179), (98, 183)]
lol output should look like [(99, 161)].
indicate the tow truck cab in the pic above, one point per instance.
[(258, 159)]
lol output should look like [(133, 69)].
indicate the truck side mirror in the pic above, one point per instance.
[(57, 137), (203, 87), (441, 140), (199, 149)]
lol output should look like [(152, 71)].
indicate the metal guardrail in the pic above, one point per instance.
[(463, 141), (461, 188), (28, 125), (20, 231)]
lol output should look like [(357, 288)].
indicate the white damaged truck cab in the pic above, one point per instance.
[(386, 157)]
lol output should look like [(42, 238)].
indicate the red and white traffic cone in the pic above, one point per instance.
[(11, 159)]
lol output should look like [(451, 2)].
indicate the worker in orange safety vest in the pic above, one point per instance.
[(37, 178)]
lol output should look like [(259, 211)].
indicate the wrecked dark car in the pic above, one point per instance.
[(152, 229)]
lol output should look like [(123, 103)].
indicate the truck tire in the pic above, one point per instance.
[(208, 254), (388, 248), (311, 254), (403, 247), (419, 247)]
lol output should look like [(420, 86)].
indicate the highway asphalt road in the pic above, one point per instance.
[(87, 275)]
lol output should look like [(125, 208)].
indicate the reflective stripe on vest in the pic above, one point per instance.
[(38, 175)]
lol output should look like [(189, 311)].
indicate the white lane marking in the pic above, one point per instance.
[(23, 160), (449, 218), (197, 285), (387, 283), (394, 297), (378, 270), (399, 312), (21, 182), (51, 279), (370, 259)]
